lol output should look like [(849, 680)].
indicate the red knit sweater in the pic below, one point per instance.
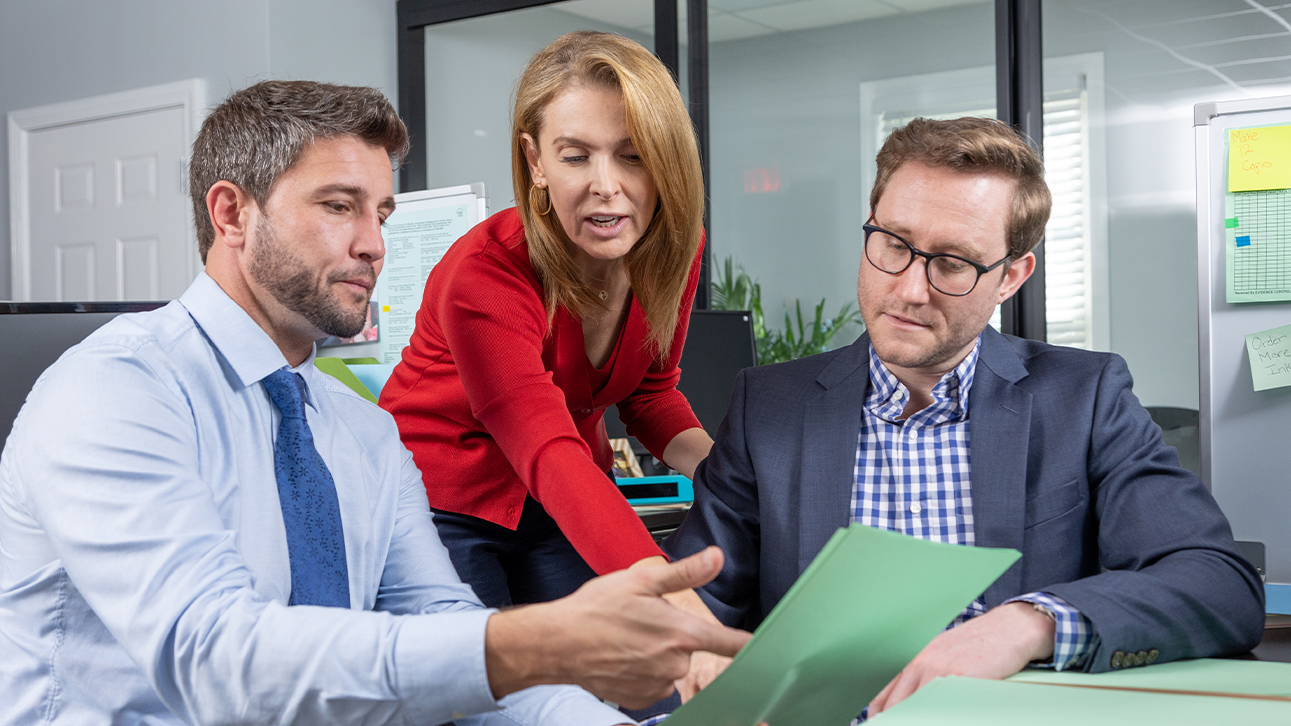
[(493, 405)]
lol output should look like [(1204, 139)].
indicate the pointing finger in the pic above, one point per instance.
[(720, 639)]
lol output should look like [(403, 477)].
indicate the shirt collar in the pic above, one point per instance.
[(249, 350), (888, 396)]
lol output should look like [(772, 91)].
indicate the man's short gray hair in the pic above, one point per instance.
[(260, 132)]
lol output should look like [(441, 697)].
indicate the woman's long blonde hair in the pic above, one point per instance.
[(658, 265)]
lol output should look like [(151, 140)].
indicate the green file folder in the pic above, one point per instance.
[(972, 702), (337, 369), (1205, 676), (868, 603)]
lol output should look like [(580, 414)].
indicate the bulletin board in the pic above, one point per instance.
[(1243, 151)]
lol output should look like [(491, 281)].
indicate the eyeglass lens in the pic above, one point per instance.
[(892, 255)]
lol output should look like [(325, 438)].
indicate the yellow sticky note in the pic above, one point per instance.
[(1259, 159)]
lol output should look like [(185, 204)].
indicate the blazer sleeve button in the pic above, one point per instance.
[(1117, 658), (1140, 658), (1153, 655)]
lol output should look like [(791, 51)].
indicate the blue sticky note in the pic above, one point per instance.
[(1244, 240)]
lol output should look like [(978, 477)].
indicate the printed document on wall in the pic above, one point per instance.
[(424, 225), (1257, 215)]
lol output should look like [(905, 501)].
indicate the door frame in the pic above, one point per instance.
[(190, 95)]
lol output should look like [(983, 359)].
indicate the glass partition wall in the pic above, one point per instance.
[(801, 95), (1139, 67), (794, 97), (471, 69)]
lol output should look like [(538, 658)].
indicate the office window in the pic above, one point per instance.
[(1075, 246)]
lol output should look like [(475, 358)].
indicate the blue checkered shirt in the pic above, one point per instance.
[(915, 477)]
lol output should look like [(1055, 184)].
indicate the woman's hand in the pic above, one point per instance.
[(705, 667)]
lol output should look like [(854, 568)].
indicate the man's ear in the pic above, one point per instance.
[(230, 210), (1019, 271), (531, 156)]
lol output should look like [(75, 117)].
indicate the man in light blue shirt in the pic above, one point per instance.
[(146, 572)]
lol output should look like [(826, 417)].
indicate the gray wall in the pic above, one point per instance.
[(61, 50)]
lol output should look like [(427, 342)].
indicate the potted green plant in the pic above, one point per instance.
[(734, 289)]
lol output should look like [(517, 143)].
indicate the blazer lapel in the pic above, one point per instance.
[(1000, 415), (831, 423)]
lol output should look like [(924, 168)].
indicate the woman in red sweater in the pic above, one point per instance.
[(543, 316)]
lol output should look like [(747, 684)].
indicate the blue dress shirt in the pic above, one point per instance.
[(144, 573)]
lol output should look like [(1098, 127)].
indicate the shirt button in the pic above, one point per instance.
[(916, 508), (587, 410), (511, 511)]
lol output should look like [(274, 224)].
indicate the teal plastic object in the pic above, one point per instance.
[(673, 489)]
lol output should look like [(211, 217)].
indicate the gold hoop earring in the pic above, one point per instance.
[(534, 205)]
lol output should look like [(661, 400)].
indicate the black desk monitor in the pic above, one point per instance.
[(35, 334), (719, 344)]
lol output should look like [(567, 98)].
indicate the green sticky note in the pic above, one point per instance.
[(868, 603), (1230, 223), (336, 368), (1207, 675), (972, 702), (1270, 354)]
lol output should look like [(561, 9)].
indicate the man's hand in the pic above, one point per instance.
[(615, 636), (995, 645), (704, 667)]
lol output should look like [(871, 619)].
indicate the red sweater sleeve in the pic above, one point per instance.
[(495, 325), (656, 411)]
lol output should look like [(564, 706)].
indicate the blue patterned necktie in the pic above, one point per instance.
[(310, 509)]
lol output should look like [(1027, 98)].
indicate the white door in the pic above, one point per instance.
[(106, 211)]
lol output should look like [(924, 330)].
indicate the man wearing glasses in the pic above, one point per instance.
[(935, 425)]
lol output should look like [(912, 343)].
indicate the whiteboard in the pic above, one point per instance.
[(1245, 434)]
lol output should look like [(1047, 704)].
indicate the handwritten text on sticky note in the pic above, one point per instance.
[(1259, 159), (1270, 353)]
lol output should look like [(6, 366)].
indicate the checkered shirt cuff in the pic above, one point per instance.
[(1073, 634)]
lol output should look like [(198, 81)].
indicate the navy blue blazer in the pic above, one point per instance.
[(1067, 468)]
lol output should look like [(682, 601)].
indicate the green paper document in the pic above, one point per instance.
[(868, 603), (336, 368), (1206, 675), (1270, 354), (972, 702)]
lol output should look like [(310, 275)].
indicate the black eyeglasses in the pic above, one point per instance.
[(948, 274)]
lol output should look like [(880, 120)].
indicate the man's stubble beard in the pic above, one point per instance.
[(274, 267), (942, 351)]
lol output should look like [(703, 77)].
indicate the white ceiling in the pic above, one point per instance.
[(735, 19)]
